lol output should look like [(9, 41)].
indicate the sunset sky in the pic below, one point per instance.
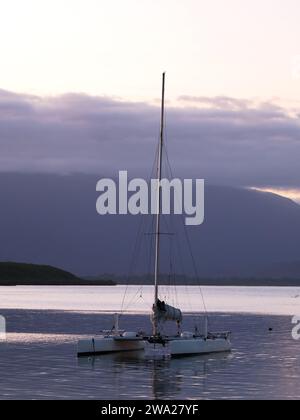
[(236, 59)]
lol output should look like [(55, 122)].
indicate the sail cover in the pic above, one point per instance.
[(164, 312)]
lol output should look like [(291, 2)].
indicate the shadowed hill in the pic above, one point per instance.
[(31, 274), (52, 220), (290, 270)]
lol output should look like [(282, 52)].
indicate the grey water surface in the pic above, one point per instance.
[(39, 361)]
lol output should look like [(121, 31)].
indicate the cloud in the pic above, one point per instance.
[(219, 102), (225, 140), (292, 193)]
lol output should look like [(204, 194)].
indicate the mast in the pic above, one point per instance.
[(159, 199)]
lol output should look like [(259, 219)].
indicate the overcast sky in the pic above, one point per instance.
[(80, 81), (225, 141)]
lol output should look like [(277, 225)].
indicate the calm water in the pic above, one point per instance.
[(39, 361)]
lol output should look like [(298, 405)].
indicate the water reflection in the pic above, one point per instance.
[(167, 378)]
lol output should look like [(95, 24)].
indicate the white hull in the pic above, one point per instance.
[(199, 346), (102, 345), (174, 347), (187, 347)]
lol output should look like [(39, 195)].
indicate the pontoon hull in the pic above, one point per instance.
[(102, 345), (183, 347), (186, 347), (176, 347)]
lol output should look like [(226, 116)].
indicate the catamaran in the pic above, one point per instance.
[(158, 344)]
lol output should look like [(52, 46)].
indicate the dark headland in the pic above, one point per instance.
[(19, 274)]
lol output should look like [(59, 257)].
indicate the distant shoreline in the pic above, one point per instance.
[(252, 283), (20, 274), (258, 283), (230, 283), (58, 284)]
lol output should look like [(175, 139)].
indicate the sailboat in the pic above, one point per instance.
[(157, 344)]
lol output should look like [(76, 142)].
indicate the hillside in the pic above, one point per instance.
[(290, 270), (53, 219), (12, 274)]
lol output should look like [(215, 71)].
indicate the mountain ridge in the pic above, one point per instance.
[(52, 219)]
